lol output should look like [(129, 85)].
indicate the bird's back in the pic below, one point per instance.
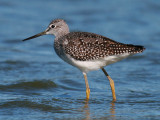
[(84, 46)]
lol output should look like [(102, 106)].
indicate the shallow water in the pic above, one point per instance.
[(36, 84)]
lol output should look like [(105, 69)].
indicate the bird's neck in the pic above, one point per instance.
[(62, 31), (58, 35)]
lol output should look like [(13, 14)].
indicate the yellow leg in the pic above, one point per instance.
[(87, 86), (111, 84)]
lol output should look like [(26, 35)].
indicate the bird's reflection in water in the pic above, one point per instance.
[(86, 110), (112, 109)]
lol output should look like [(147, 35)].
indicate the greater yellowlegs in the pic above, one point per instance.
[(87, 51)]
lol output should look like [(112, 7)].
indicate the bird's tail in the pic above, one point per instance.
[(136, 48)]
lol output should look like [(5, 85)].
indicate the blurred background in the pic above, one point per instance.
[(36, 84)]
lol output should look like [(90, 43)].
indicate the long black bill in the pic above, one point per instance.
[(34, 36)]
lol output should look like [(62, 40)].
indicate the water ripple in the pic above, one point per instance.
[(37, 84), (32, 105)]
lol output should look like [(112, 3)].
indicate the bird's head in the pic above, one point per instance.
[(57, 27)]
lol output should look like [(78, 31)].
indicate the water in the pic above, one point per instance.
[(36, 84)]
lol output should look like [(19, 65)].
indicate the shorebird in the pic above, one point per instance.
[(87, 51)]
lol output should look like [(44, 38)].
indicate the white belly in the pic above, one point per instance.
[(86, 66)]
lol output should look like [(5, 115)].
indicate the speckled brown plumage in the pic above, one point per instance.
[(85, 46)]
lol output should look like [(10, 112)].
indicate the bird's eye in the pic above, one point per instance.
[(52, 26)]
